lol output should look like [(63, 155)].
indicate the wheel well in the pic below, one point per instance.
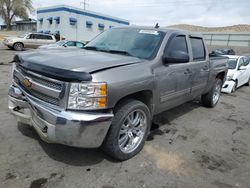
[(221, 75), (145, 96)]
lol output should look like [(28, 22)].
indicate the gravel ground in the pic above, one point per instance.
[(190, 147)]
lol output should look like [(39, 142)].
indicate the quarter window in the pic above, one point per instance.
[(198, 49)]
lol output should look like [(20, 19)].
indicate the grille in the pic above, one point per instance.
[(47, 83), (42, 81)]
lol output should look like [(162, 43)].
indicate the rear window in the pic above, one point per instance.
[(198, 49)]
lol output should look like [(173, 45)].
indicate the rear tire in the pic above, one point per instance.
[(18, 46), (128, 131), (211, 98)]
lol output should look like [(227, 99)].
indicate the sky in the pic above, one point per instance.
[(211, 13)]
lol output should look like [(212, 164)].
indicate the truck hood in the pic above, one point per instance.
[(77, 61)]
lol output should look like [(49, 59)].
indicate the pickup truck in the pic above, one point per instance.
[(107, 94)]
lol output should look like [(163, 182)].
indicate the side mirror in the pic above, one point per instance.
[(176, 57), (242, 68)]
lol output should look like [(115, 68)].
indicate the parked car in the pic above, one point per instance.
[(238, 73), (63, 44), (223, 51), (30, 40), (108, 94)]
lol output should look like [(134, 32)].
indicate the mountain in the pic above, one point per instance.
[(233, 28)]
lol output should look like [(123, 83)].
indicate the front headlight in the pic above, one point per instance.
[(87, 96), (230, 77)]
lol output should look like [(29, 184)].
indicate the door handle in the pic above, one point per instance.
[(188, 71)]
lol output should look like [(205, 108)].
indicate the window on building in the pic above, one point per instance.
[(101, 26), (57, 19), (72, 21), (50, 19), (40, 20), (89, 24), (198, 49)]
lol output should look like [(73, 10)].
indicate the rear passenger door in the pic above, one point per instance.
[(44, 39), (30, 41), (173, 79), (199, 65)]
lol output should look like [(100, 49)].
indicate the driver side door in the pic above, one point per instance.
[(174, 80)]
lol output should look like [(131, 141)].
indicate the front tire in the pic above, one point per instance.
[(211, 98), (128, 131), (234, 87), (18, 46)]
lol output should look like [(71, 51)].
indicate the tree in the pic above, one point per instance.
[(10, 9)]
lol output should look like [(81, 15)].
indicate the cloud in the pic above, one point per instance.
[(168, 12)]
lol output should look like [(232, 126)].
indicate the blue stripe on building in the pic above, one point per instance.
[(82, 13)]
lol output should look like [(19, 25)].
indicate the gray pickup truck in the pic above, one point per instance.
[(107, 94)]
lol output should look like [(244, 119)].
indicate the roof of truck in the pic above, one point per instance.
[(165, 29)]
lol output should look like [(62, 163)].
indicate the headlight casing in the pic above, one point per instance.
[(87, 96)]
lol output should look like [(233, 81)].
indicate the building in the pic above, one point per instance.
[(75, 23), (28, 25), (25, 25)]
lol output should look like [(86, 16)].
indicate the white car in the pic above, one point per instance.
[(63, 44), (238, 73)]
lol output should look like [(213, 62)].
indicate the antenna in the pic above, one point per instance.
[(157, 25)]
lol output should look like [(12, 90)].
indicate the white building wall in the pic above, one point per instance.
[(79, 31)]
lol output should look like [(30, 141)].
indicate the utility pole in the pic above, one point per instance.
[(84, 3)]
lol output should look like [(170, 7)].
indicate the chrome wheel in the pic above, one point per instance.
[(216, 94), (18, 46), (132, 131)]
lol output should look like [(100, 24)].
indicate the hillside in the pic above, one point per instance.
[(234, 28)]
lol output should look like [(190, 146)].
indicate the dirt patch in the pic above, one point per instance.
[(221, 184), (10, 176), (212, 162), (38, 183), (165, 160)]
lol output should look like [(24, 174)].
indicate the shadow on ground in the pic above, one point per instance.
[(66, 154), (85, 157)]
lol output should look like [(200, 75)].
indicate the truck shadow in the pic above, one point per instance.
[(66, 154), (165, 118)]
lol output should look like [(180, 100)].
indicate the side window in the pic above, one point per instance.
[(40, 37), (32, 36), (79, 45), (198, 48), (48, 37), (70, 43), (246, 61), (241, 62), (178, 43)]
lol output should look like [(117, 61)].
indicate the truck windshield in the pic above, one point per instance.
[(232, 63), (141, 43)]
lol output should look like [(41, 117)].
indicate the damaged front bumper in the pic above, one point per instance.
[(228, 86), (79, 129)]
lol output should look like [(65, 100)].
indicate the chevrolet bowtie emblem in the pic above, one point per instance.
[(26, 83)]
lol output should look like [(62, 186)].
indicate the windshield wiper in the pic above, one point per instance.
[(119, 52), (91, 48)]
